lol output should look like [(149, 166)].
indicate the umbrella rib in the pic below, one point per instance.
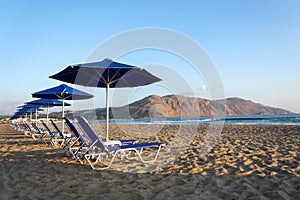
[(102, 79), (59, 97), (100, 75), (123, 77), (94, 78), (115, 74)]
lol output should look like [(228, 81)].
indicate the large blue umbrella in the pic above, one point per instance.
[(106, 74), (62, 92), (48, 103)]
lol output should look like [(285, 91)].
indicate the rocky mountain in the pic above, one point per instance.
[(180, 106)]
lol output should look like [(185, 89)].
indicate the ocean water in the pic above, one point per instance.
[(293, 119)]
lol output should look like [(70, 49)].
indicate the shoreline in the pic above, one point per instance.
[(248, 161)]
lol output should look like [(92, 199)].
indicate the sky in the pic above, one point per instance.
[(254, 45)]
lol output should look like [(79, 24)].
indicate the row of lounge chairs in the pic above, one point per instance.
[(85, 144), (36, 132)]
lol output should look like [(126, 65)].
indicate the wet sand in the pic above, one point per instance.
[(246, 162)]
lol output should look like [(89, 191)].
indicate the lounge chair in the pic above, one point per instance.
[(112, 142), (81, 140), (56, 127), (16, 126), (98, 150), (24, 128), (27, 127), (37, 131), (48, 129), (54, 136), (62, 135)]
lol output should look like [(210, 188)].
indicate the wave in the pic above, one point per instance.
[(253, 119)]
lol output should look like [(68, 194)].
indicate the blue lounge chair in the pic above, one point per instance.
[(80, 139), (24, 128), (64, 135), (114, 142), (16, 126), (56, 127), (98, 150), (54, 136), (51, 133), (37, 131)]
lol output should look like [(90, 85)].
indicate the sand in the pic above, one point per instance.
[(247, 162)]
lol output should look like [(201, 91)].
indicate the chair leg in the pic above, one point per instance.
[(149, 161)]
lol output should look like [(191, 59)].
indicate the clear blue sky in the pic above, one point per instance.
[(255, 45)]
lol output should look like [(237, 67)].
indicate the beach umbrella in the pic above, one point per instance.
[(29, 108), (106, 74), (48, 103), (18, 115), (62, 92)]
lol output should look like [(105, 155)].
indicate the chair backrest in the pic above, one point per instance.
[(72, 127), (24, 127), (56, 128), (90, 132), (46, 126), (35, 127), (27, 126), (74, 130)]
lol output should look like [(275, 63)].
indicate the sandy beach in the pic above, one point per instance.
[(247, 162)]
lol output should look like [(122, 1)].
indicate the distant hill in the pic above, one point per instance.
[(181, 106)]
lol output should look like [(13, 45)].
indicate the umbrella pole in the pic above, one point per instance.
[(30, 115), (47, 114), (63, 115), (36, 108), (107, 111)]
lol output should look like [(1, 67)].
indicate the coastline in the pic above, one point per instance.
[(274, 119), (247, 161)]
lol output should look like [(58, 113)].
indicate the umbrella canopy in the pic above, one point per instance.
[(48, 103), (29, 108), (106, 74), (62, 92), (17, 115)]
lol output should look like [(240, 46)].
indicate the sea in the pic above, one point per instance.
[(290, 119)]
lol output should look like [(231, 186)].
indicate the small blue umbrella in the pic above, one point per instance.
[(48, 103), (29, 108), (17, 115), (106, 74), (62, 92), (20, 113)]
